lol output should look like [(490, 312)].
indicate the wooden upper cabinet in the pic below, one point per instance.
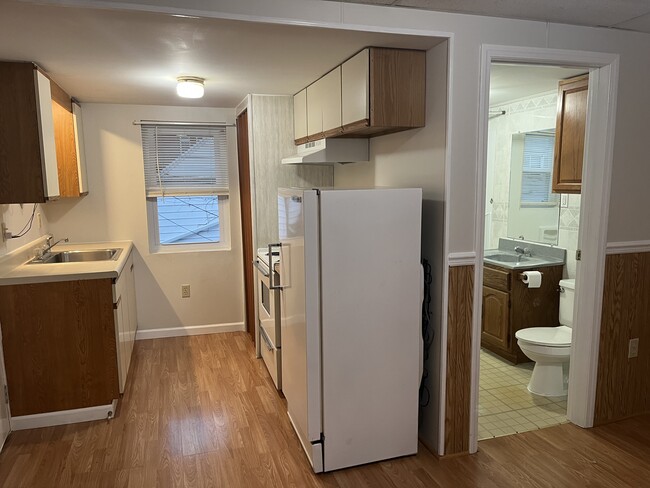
[(377, 91), (300, 116), (570, 134), (40, 158), (324, 106)]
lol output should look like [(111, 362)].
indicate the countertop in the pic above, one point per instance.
[(23, 273)]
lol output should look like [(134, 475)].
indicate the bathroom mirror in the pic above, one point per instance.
[(533, 209)]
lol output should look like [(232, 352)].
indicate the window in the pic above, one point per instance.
[(537, 170), (186, 183)]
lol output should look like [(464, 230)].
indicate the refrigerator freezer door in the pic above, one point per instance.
[(300, 325), (370, 271)]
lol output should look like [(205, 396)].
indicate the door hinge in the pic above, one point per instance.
[(6, 395), (578, 254)]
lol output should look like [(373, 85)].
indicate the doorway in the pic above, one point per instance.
[(246, 221), (596, 174), (525, 213)]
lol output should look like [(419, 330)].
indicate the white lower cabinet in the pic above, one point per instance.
[(126, 321)]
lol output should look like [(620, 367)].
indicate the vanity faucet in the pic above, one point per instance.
[(523, 251)]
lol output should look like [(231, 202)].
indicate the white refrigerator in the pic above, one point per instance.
[(350, 307)]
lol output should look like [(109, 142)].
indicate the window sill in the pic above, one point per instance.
[(181, 249)]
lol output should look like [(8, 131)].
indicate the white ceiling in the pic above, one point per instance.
[(621, 14), (515, 81), (134, 57)]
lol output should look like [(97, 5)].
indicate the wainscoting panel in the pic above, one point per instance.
[(459, 359), (623, 387)]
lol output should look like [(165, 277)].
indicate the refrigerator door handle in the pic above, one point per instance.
[(272, 273)]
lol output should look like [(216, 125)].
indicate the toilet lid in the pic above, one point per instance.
[(546, 336)]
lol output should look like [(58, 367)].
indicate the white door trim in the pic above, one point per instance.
[(603, 83)]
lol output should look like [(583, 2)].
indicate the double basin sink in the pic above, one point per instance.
[(82, 256)]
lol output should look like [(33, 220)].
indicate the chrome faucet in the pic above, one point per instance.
[(41, 252), (523, 251)]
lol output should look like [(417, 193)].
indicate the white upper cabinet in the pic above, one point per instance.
[(47, 139), (355, 88), (300, 114), (324, 103)]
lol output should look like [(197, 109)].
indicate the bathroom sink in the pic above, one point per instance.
[(78, 256)]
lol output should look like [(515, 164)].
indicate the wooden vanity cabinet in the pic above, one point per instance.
[(42, 151), (570, 128), (509, 305)]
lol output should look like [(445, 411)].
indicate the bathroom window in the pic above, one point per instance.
[(537, 170), (186, 183)]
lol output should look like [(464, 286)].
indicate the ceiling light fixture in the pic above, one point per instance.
[(190, 87)]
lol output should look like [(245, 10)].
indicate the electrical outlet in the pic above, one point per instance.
[(4, 233), (39, 220), (633, 348), (185, 291), (564, 200)]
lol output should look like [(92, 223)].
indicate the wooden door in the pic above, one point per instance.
[(246, 220), (496, 318)]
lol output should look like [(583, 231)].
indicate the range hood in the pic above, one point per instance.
[(329, 151)]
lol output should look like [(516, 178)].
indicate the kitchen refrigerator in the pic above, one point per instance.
[(349, 279)]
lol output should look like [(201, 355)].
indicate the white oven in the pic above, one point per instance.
[(269, 314)]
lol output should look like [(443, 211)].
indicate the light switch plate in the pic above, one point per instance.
[(564, 200), (633, 348)]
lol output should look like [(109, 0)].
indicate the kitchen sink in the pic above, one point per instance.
[(78, 256)]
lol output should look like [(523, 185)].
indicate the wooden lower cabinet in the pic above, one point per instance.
[(59, 345), (67, 344), (509, 305)]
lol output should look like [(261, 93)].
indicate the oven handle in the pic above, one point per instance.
[(272, 284)]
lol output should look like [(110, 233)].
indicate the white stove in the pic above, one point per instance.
[(268, 310)]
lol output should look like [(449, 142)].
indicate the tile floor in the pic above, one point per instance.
[(505, 404)]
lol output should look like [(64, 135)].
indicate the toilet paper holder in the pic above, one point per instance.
[(521, 275)]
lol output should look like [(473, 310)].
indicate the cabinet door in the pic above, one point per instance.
[(300, 115), (355, 84), (120, 334), (5, 427), (570, 134), (496, 318), (331, 100), (315, 108), (133, 318), (81, 149), (66, 144), (48, 140)]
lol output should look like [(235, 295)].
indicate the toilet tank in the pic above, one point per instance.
[(567, 293)]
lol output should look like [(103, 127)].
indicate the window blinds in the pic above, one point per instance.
[(184, 160), (537, 168)]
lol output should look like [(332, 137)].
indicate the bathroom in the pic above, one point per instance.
[(531, 238)]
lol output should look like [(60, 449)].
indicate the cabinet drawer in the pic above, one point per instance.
[(495, 278)]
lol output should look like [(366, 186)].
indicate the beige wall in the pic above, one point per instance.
[(416, 158), (15, 217), (115, 209)]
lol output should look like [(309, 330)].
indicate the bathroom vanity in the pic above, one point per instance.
[(509, 304)]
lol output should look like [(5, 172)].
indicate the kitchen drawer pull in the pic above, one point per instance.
[(131, 266)]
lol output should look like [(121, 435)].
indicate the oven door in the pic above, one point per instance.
[(269, 328)]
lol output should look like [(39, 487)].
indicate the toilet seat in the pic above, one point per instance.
[(546, 336)]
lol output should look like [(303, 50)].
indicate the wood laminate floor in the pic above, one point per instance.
[(201, 411)]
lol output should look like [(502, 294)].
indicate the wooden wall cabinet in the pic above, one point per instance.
[(40, 135), (509, 305), (570, 134), (375, 92)]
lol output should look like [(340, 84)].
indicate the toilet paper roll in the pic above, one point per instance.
[(532, 278)]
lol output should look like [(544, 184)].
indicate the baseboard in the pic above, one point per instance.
[(189, 330), (38, 420), (628, 247)]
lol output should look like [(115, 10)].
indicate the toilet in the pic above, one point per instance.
[(550, 348)]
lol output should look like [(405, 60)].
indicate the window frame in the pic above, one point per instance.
[(224, 208)]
